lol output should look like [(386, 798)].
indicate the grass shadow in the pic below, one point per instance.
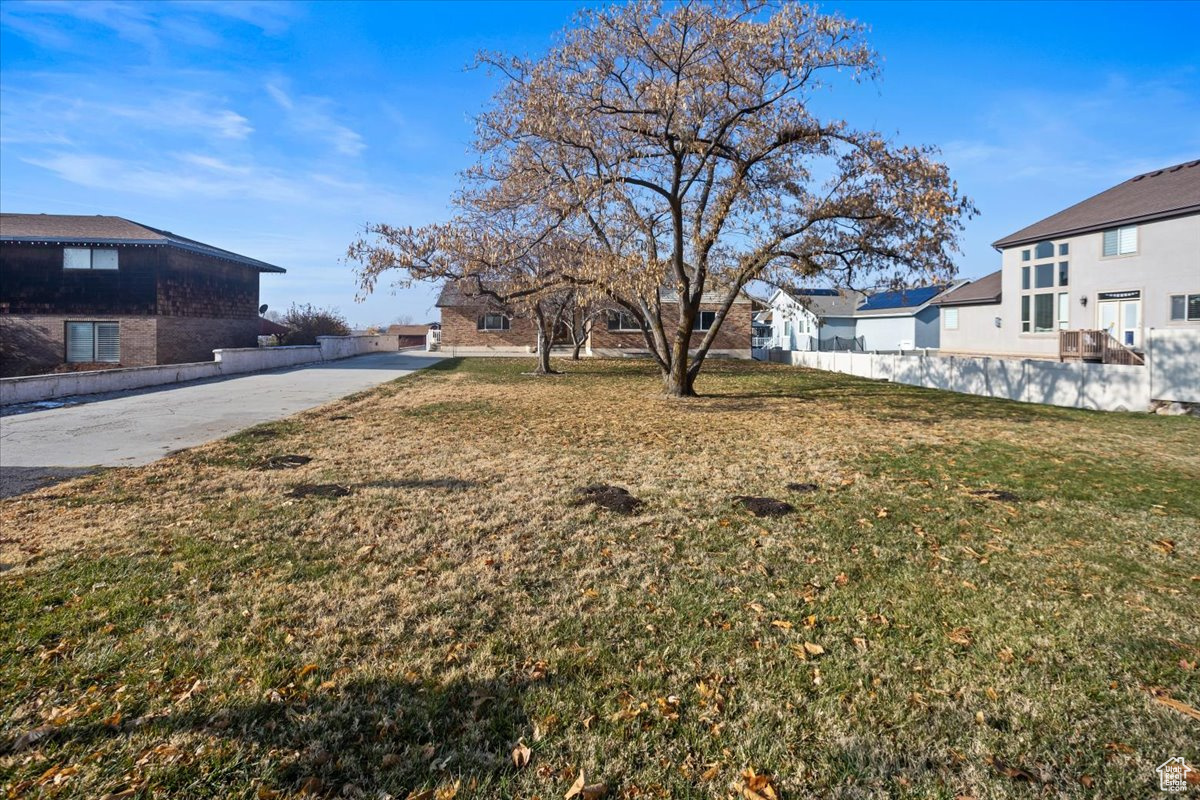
[(380, 736)]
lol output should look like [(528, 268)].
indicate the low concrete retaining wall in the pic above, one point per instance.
[(1102, 387), (226, 361)]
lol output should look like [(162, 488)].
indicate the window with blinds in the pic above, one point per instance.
[(93, 341), (1121, 241)]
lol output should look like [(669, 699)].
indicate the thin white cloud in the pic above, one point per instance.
[(153, 26), (96, 113), (313, 116), (1080, 137)]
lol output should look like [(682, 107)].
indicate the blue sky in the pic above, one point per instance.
[(277, 130)]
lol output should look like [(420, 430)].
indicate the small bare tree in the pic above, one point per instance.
[(503, 258)]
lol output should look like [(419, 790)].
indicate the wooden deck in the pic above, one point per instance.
[(1097, 346)]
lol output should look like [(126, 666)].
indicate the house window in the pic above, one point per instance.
[(1043, 313), (1064, 249), (1042, 309), (493, 322), (1043, 276), (951, 317), (1121, 241), (93, 341), (704, 320), (1044, 250), (1025, 255), (1185, 308), (89, 258), (787, 329), (623, 321)]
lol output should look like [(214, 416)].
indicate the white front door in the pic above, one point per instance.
[(1122, 318)]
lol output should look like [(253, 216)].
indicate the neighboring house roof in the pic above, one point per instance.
[(452, 295), (70, 229), (824, 303), (407, 330), (268, 328), (708, 298), (899, 302), (1168, 192), (983, 292)]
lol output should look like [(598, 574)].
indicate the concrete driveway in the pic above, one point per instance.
[(126, 429)]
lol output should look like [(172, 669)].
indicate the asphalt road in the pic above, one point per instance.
[(39, 446)]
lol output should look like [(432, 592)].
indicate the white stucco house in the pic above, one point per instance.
[(1121, 262), (812, 319)]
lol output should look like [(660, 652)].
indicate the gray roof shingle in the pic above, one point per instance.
[(985, 291), (1168, 192)]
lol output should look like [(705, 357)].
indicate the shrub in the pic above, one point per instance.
[(307, 322)]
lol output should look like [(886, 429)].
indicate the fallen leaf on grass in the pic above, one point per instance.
[(782, 624), (755, 786), (1183, 708), (961, 636), (584, 790), (521, 755)]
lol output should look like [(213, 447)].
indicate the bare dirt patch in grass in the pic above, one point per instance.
[(188, 629), (765, 506), (610, 498)]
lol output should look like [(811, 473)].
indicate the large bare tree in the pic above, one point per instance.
[(683, 139)]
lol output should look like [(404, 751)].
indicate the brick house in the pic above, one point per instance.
[(106, 291), (472, 324)]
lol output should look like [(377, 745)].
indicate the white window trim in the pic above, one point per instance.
[(94, 324), (1137, 242), (505, 325), (697, 322), (1185, 296)]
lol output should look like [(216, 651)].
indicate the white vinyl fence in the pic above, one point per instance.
[(1172, 373)]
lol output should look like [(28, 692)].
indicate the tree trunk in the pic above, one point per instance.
[(578, 347), (677, 380), (545, 340)]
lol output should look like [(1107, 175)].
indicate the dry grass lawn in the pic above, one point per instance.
[(191, 629)]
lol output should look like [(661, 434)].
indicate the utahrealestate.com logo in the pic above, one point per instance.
[(1173, 775)]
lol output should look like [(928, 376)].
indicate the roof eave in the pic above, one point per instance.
[(222, 255), (1015, 240)]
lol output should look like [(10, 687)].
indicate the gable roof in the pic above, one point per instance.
[(825, 303), (899, 302), (1168, 192), (103, 230), (985, 291)]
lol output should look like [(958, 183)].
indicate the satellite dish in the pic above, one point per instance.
[(262, 309)]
